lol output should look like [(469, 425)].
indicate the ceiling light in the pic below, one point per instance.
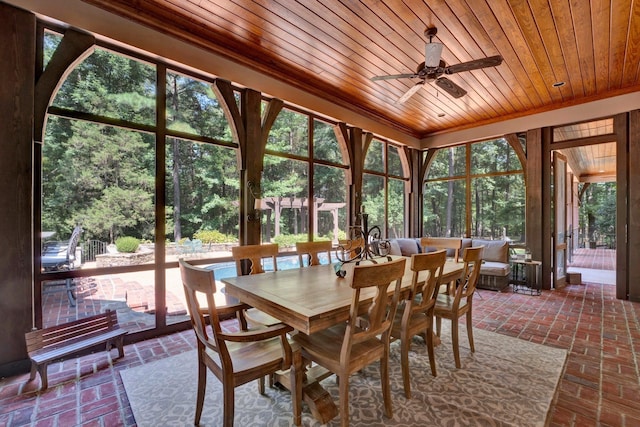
[(441, 115), (558, 84), (432, 53)]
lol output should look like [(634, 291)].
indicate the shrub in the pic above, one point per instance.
[(289, 240), (213, 236), (127, 244)]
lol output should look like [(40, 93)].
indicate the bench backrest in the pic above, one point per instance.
[(67, 332)]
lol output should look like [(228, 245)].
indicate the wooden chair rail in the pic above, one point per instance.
[(56, 342)]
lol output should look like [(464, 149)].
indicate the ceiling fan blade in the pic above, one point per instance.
[(450, 87), (394, 76), (476, 64), (408, 94)]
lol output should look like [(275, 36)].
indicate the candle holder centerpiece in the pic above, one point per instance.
[(363, 243)]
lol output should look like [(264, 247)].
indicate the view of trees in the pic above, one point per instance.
[(497, 192), (597, 219), (100, 152), (100, 176), (103, 176)]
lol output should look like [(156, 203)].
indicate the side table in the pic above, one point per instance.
[(525, 276)]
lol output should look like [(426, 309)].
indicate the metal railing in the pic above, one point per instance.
[(91, 248)]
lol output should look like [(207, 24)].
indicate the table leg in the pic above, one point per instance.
[(320, 402)]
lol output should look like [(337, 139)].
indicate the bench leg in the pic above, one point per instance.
[(70, 293), (42, 369), (34, 370), (120, 345)]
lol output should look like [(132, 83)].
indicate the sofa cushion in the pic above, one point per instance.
[(408, 247), (494, 250), (394, 247), (492, 268)]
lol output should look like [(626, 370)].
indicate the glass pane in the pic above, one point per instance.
[(394, 164), (583, 130), (111, 85), (448, 162), (285, 198), (493, 156), (202, 199), (325, 143), (444, 208), (132, 295), (192, 107), (498, 207), (373, 199), (100, 177), (290, 134), (51, 42), (374, 158), (330, 190), (396, 208)]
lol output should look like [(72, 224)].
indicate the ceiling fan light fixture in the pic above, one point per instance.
[(432, 54)]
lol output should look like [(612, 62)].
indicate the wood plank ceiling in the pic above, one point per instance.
[(333, 48)]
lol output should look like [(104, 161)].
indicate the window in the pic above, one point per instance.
[(484, 199), (383, 188)]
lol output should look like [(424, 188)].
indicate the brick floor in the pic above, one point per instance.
[(600, 386)]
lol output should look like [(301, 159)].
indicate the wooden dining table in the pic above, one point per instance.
[(311, 299)]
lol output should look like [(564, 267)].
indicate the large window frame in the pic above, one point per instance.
[(462, 180), (159, 268)]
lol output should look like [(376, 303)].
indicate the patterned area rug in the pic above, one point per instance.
[(506, 382)]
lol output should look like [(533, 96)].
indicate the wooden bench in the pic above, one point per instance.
[(50, 344)]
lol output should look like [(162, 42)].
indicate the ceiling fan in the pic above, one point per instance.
[(434, 68)]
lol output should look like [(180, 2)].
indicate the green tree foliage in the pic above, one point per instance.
[(597, 217), (96, 175), (202, 179), (497, 192)]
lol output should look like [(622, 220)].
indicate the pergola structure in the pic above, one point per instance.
[(274, 205)]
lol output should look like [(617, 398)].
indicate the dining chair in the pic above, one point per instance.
[(415, 314), (249, 260), (234, 358), (461, 302), (449, 244), (312, 250), (452, 243), (350, 248), (350, 346)]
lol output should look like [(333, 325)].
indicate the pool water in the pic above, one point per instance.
[(228, 269)]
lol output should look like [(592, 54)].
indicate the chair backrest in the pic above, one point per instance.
[(432, 264), (254, 254), (350, 248), (73, 244), (472, 258), (312, 250), (201, 282), (382, 308), (454, 243)]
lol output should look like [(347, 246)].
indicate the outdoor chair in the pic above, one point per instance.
[(61, 256)]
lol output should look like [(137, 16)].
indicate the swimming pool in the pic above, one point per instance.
[(223, 270)]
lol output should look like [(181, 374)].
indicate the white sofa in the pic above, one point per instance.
[(495, 271)]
